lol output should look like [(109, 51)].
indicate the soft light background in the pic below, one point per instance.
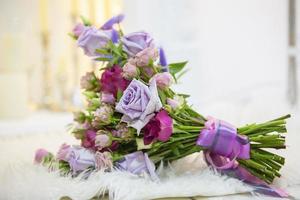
[(242, 60)]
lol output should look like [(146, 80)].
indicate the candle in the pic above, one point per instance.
[(43, 8)]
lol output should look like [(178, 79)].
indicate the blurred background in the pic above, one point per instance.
[(242, 54)]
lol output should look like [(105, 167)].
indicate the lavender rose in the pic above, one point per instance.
[(134, 43), (92, 38), (138, 104), (138, 163), (80, 159), (64, 152)]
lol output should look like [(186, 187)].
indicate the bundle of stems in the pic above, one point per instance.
[(262, 163)]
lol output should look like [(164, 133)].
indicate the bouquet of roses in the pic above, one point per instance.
[(134, 120)]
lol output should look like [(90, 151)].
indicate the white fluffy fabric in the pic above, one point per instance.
[(20, 179)]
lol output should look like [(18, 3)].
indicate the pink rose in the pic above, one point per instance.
[(102, 141), (143, 57), (130, 71), (78, 29), (40, 154), (163, 80)]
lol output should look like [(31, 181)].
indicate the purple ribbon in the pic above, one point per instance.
[(223, 146)]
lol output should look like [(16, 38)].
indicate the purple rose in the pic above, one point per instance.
[(134, 43), (138, 104), (159, 128), (92, 38), (138, 163), (64, 152), (89, 139), (112, 80), (40, 154), (78, 29), (80, 159)]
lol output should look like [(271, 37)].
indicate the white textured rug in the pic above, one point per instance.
[(20, 179)]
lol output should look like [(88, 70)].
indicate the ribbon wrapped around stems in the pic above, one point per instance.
[(223, 146)]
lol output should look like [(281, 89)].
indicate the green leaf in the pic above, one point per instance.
[(176, 67), (72, 36), (85, 21), (103, 59), (102, 51), (162, 96), (119, 95), (90, 94)]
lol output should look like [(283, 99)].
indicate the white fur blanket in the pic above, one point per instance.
[(20, 179)]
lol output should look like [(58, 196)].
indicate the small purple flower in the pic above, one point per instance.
[(134, 43), (40, 154), (103, 161), (80, 159), (138, 163), (138, 104), (163, 60), (107, 98), (78, 29), (112, 21), (64, 152)]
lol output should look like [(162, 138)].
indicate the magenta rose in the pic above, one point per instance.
[(89, 139), (112, 80), (159, 128)]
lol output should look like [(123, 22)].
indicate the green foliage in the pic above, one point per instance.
[(85, 21)]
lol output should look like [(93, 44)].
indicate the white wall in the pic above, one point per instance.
[(237, 48)]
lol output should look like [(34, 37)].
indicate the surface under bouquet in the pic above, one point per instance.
[(133, 121)]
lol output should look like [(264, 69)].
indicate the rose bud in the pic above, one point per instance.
[(163, 80), (130, 71)]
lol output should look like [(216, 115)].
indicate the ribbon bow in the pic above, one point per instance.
[(223, 146)]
